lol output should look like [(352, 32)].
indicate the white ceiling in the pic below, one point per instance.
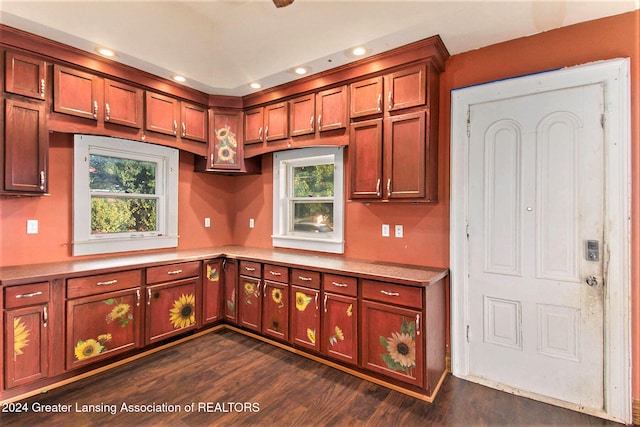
[(223, 45)]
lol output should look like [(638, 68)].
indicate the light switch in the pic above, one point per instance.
[(207, 222), (32, 226)]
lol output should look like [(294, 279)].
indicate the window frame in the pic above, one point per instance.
[(283, 162), (166, 160)]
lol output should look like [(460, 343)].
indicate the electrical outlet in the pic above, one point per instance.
[(385, 230), (252, 223), (399, 231), (32, 226), (207, 222)]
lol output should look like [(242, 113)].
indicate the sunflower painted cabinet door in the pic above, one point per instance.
[(305, 317), (170, 309), (392, 342), (250, 303), (225, 141), (26, 345), (103, 325), (275, 310), (211, 291), (340, 327)]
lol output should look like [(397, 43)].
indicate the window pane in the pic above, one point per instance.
[(117, 175), (116, 215), (313, 181), (313, 217)]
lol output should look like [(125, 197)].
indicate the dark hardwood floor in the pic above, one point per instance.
[(235, 380)]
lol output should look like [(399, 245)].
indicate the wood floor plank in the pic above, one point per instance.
[(223, 372)]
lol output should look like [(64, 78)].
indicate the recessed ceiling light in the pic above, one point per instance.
[(359, 51), (105, 52), (301, 70), (179, 78), (255, 85)]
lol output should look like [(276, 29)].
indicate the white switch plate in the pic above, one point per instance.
[(207, 222), (385, 230), (252, 223), (399, 231), (32, 226)]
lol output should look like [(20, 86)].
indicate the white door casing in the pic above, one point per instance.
[(514, 280)]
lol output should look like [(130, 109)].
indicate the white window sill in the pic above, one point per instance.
[(309, 244)]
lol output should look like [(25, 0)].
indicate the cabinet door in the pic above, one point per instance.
[(75, 93), (404, 155), (230, 305), (101, 326), (305, 317), (225, 145), (171, 309), (26, 345), (392, 342), (331, 107), (122, 104), (194, 122), (211, 291), (275, 310), (26, 147), (406, 88), (340, 327), (276, 121), (365, 157), (366, 97), (302, 113), (253, 120), (25, 75), (250, 303), (161, 114)]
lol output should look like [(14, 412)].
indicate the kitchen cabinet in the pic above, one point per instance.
[(171, 300), (103, 316), (305, 309), (340, 318), (365, 159), (26, 334), (194, 121), (319, 112), (225, 143), (123, 104), (249, 294), (75, 92), (230, 278), (212, 290), (161, 113), (266, 124), (26, 147), (366, 97), (302, 115), (25, 75), (392, 331), (275, 305)]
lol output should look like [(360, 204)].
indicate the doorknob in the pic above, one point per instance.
[(592, 281)]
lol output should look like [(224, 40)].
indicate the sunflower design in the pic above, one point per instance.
[(88, 348), (225, 136), (311, 334), (231, 303), (212, 274), (337, 336), (226, 154), (349, 310), (250, 290), (104, 338), (20, 335), (183, 313), (302, 301), (276, 294), (119, 313), (401, 348)]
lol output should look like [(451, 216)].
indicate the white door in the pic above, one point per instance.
[(535, 244)]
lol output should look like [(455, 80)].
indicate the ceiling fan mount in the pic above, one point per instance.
[(282, 3)]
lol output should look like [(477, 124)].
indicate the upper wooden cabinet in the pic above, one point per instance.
[(123, 104), (319, 112), (265, 124), (302, 115), (225, 149), (75, 93), (194, 122), (161, 113), (25, 75)]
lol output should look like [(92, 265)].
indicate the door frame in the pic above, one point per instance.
[(614, 75)]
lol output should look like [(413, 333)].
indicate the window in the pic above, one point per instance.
[(308, 199), (125, 196)]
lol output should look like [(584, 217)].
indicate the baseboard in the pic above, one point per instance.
[(636, 412)]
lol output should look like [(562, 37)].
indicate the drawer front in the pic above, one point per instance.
[(276, 273), (394, 294), (26, 295), (91, 285), (344, 285), (309, 279), (171, 272), (251, 269)]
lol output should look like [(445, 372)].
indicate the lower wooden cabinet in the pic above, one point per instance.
[(170, 309), (250, 303), (26, 345), (230, 303), (103, 325), (340, 327), (305, 317), (212, 290), (275, 310)]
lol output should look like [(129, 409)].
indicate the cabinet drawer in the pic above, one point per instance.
[(276, 273), (306, 278), (250, 268), (23, 296), (91, 285), (340, 284), (395, 294), (171, 272)]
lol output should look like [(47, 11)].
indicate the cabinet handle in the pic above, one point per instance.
[(264, 289), (184, 130), (325, 302), (275, 273), (340, 285), (224, 264), (95, 109), (138, 298), (174, 272), (390, 100), (148, 296), (417, 324), (317, 300), (379, 102), (212, 163), (388, 187), (175, 127), (311, 123), (378, 188), (391, 294), (250, 268), (32, 294), (108, 282), (260, 133), (266, 133), (319, 121), (107, 112), (42, 87), (45, 316), (305, 279), (42, 180)]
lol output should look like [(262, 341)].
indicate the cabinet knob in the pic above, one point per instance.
[(42, 88), (388, 187), (417, 324), (260, 133), (175, 127), (319, 121), (107, 112), (95, 110), (45, 316), (390, 99), (184, 130), (379, 102), (138, 298), (311, 123), (42, 180), (378, 188), (325, 302), (266, 133)]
